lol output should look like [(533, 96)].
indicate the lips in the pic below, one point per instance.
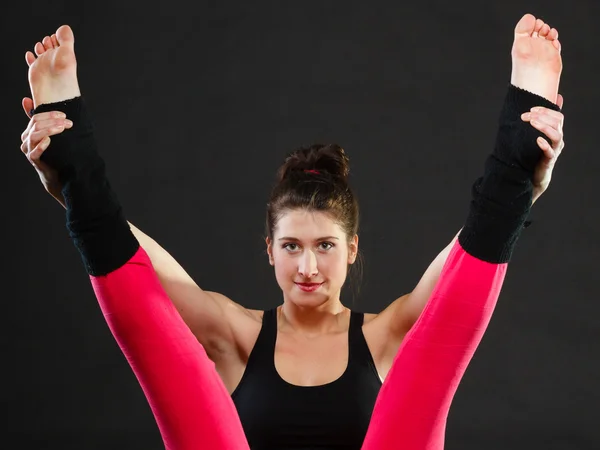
[(309, 287)]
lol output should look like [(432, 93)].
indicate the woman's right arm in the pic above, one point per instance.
[(212, 317), (191, 405)]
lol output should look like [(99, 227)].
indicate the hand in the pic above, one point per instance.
[(550, 123), (36, 139)]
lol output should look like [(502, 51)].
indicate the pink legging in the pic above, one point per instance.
[(194, 410)]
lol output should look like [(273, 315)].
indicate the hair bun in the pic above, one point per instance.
[(322, 158)]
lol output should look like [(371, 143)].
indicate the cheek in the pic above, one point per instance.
[(334, 265), (341, 267), (284, 265)]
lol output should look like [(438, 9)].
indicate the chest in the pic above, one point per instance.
[(317, 394), (292, 417), (311, 362), (307, 393)]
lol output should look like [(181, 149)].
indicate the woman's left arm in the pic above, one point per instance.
[(404, 312)]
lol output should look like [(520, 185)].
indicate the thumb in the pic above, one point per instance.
[(28, 106)]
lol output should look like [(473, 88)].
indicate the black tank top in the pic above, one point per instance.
[(277, 415)]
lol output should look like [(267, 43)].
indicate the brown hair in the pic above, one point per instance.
[(315, 178)]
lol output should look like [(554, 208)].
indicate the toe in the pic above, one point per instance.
[(47, 42), (545, 30), (30, 58), (54, 40), (39, 49), (526, 25), (539, 23), (556, 44), (64, 36), (553, 34)]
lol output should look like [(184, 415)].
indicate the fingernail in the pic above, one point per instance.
[(68, 123), (525, 116), (60, 115), (535, 109)]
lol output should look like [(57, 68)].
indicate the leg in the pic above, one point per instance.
[(191, 405), (414, 401), (412, 407)]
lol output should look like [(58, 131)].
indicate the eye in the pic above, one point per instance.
[(326, 245), (290, 246)]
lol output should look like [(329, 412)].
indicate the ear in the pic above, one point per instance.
[(353, 249), (270, 250)]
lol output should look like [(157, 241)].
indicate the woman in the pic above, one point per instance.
[(311, 240)]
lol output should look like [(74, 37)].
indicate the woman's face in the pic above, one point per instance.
[(310, 253)]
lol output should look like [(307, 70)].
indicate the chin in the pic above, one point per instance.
[(312, 301), (308, 299)]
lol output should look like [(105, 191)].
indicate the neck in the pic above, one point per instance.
[(312, 320)]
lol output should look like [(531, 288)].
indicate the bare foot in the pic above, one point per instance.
[(53, 74), (536, 59)]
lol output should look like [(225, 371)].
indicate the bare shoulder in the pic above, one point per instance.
[(244, 323), (257, 314), (369, 317), (382, 330), (234, 309), (389, 316)]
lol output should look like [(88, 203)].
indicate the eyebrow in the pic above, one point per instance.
[(288, 238)]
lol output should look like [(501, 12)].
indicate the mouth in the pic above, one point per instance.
[(308, 287)]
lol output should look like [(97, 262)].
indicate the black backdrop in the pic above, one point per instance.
[(196, 105)]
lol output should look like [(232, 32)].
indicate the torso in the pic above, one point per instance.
[(303, 362), (297, 391)]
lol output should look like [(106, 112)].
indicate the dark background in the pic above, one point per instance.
[(196, 106)]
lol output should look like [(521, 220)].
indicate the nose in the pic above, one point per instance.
[(307, 266)]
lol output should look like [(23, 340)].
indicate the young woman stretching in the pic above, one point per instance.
[(312, 342)]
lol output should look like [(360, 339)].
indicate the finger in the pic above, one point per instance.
[(549, 119), (548, 130), (36, 153), (47, 43), (546, 148), (27, 106), (546, 123), (49, 130), (555, 121), (43, 124), (39, 48), (24, 148), (29, 58), (540, 110), (559, 101)]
